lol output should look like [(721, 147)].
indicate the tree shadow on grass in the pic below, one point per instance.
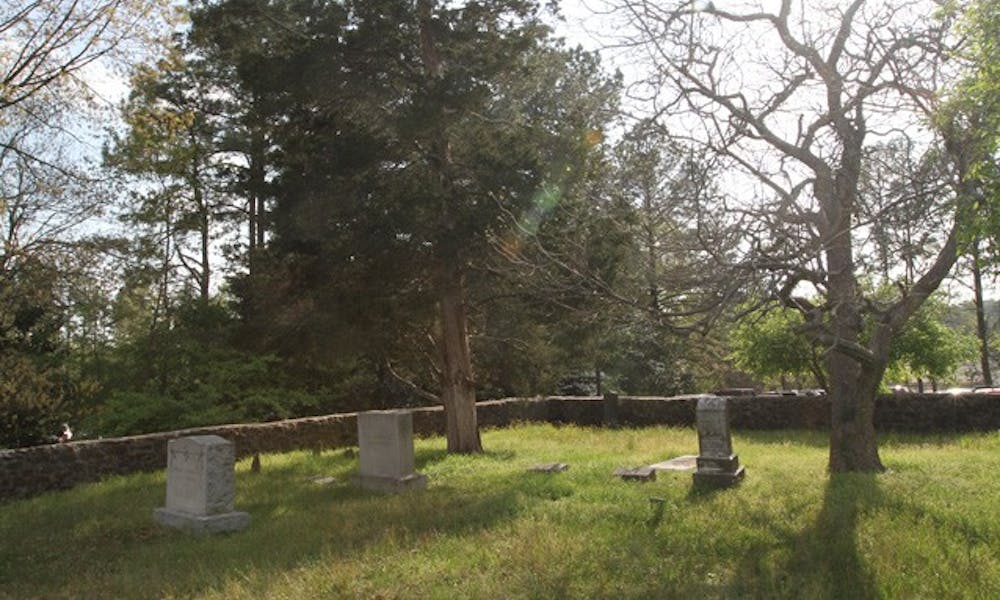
[(700, 493), (824, 560), (425, 457)]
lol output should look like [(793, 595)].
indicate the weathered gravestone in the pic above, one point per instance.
[(201, 486), (716, 464), (385, 445)]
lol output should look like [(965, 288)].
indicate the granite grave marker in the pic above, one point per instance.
[(385, 444), (201, 486)]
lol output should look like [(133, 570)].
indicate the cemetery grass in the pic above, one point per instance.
[(486, 528)]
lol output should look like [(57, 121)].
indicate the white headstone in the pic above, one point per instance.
[(385, 443), (201, 486)]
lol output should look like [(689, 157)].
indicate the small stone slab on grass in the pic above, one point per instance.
[(635, 473), (549, 468), (323, 480), (687, 462)]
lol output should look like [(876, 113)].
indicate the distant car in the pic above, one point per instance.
[(985, 389), (813, 392), (735, 392)]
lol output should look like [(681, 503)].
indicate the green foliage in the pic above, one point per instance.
[(192, 374), (928, 348), (971, 117), (769, 346), (38, 388), (33, 401), (928, 529)]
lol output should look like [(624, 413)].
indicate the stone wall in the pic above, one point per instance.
[(29, 471)]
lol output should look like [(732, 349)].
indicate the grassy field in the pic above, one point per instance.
[(485, 528)]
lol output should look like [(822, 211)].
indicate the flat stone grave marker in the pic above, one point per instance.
[(201, 486), (687, 462), (549, 468), (716, 464), (385, 443), (323, 480), (635, 473)]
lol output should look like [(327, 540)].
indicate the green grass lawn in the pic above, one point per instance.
[(485, 528)]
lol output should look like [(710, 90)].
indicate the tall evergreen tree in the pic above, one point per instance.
[(413, 136), (174, 119)]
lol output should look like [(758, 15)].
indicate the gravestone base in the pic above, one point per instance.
[(718, 471), (718, 479), (202, 524), (727, 464), (392, 485)]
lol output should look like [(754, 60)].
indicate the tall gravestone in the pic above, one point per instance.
[(385, 447), (716, 464), (201, 486)]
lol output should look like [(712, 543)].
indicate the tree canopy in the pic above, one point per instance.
[(343, 204)]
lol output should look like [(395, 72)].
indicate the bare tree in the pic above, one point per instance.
[(47, 46), (795, 98)]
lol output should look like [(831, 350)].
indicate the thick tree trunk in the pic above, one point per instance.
[(853, 444), (458, 392), (853, 382)]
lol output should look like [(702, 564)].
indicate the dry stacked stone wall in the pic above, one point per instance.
[(30, 471)]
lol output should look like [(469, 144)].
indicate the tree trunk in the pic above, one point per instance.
[(853, 386), (982, 331), (204, 237), (853, 383), (853, 444), (255, 189), (458, 393), (206, 267)]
